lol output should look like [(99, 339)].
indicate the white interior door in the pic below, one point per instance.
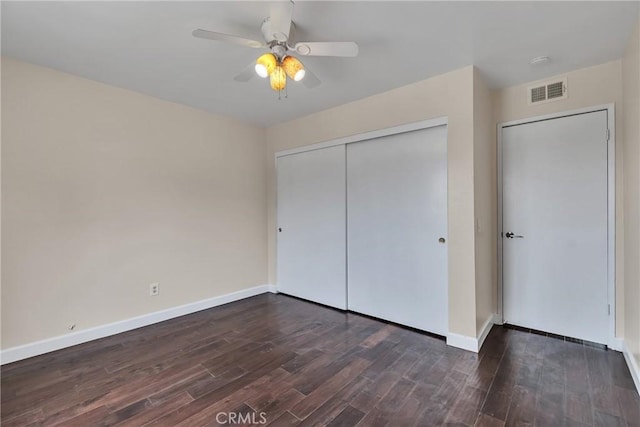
[(311, 233), (555, 211), (397, 212)]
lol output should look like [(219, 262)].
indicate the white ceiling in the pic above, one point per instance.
[(148, 47)]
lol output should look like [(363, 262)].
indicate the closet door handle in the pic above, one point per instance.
[(510, 235)]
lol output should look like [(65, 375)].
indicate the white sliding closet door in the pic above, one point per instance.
[(311, 226), (397, 212)]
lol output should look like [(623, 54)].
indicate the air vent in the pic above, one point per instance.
[(539, 94), (547, 91), (555, 90)]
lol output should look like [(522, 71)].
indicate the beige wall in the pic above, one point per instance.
[(105, 191), (598, 85), (631, 150), (448, 95), (484, 160)]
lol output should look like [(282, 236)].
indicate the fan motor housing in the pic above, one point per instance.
[(270, 36)]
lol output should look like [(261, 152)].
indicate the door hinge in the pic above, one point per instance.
[(608, 135), (609, 309)]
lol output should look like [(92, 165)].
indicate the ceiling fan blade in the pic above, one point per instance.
[(326, 48), (246, 74), (310, 80), (211, 35), (280, 15)]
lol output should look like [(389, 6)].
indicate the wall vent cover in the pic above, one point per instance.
[(551, 90), (539, 94)]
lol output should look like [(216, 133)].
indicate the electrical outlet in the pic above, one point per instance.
[(154, 289)]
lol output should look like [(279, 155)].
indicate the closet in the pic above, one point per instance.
[(362, 225)]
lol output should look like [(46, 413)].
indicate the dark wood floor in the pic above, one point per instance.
[(302, 364)]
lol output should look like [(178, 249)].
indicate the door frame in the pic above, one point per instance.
[(613, 342)]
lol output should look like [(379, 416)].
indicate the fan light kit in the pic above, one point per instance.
[(278, 64), (268, 65)]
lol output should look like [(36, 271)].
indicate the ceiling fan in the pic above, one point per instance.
[(278, 32)]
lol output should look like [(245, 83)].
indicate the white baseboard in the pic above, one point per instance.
[(472, 343), (632, 363), (486, 328), (272, 288), (497, 319), (616, 344), (462, 341), (74, 338)]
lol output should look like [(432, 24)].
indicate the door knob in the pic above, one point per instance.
[(441, 240), (510, 235)]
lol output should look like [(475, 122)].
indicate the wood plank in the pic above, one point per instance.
[(578, 407), (321, 394), (299, 362), (311, 380), (496, 405), (330, 409), (349, 416), (33, 416), (392, 401), (378, 337), (467, 408), (275, 406), (98, 416), (407, 414), (156, 411), (629, 403), (377, 417), (285, 420), (373, 393), (443, 400), (605, 419), (485, 420), (212, 383), (522, 407)]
